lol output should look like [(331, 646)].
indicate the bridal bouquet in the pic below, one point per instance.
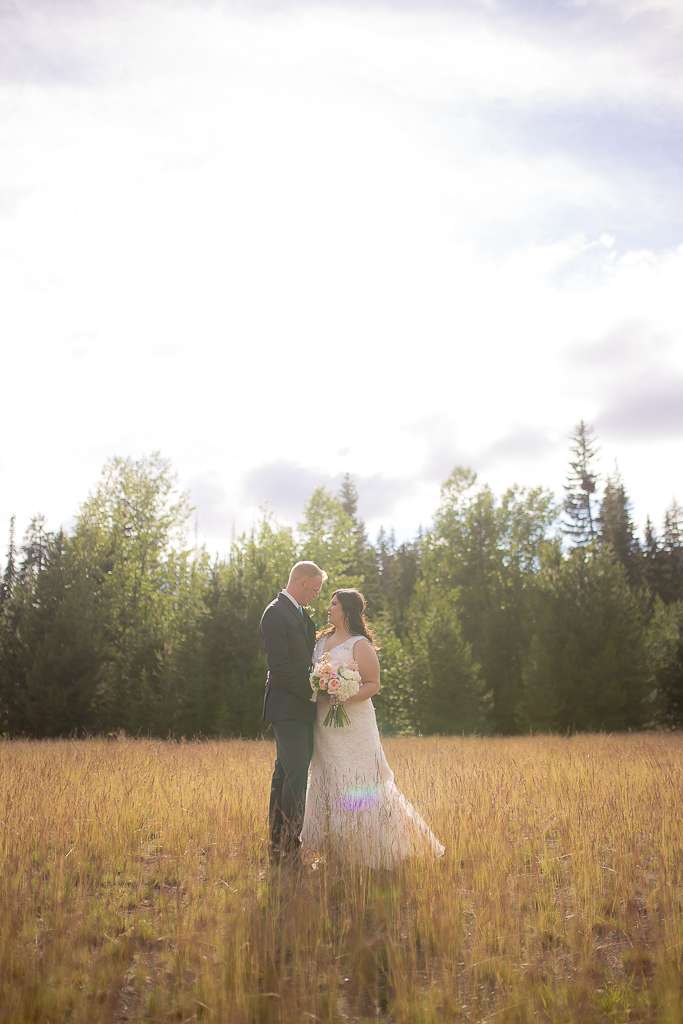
[(339, 682)]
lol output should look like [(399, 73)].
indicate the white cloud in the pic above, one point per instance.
[(214, 221), (633, 8)]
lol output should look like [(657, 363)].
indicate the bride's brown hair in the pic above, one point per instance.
[(353, 605)]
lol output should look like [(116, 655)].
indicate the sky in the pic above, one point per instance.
[(283, 241)]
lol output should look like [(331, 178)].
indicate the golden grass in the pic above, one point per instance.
[(135, 886)]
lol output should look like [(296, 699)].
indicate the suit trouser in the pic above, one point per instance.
[(288, 787)]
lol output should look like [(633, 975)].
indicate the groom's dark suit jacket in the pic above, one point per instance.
[(288, 638)]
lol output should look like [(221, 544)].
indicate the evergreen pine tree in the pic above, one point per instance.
[(651, 561), (36, 542), (10, 574), (665, 660), (616, 527), (348, 495), (672, 554), (586, 667), (452, 695), (364, 563), (11, 614), (400, 573), (580, 521), (62, 650)]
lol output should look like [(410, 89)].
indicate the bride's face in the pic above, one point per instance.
[(335, 613)]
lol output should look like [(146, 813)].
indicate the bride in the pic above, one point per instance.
[(352, 803)]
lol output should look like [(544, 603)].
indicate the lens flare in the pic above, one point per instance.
[(360, 798)]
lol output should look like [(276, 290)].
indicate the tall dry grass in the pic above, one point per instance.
[(135, 886)]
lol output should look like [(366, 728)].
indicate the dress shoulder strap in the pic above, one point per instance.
[(347, 644)]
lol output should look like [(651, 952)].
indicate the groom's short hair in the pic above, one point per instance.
[(305, 570)]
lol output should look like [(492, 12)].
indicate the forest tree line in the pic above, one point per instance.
[(507, 614)]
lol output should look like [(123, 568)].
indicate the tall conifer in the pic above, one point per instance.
[(348, 495), (579, 502), (616, 527), (10, 574), (651, 565), (672, 553), (364, 562)]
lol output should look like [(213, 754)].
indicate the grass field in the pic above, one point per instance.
[(135, 886)]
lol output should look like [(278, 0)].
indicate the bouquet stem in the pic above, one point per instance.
[(336, 716)]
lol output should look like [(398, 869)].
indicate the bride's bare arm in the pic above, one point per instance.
[(368, 665)]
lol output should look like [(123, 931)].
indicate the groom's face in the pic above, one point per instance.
[(310, 588)]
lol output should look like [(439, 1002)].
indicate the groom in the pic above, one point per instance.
[(288, 637)]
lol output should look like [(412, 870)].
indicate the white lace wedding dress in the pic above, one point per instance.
[(352, 803)]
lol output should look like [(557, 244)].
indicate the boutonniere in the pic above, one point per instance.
[(309, 611)]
